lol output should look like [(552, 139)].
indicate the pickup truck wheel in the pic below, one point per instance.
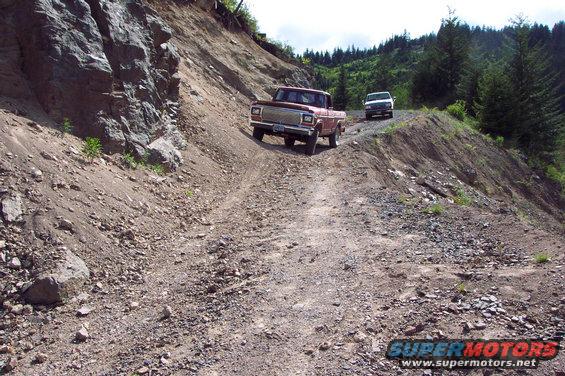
[(334, 138), (368, 117), (258, 134), (391, 115), (289, 142), (311, 143)]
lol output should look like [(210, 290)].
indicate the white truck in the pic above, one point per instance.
[(379, 104)]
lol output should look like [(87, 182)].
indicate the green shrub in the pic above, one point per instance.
[(457, 110), (435, 209), (499, 140), (461, 198), (159, 169), (243, 13), (129, 161), (92, 147), (428, 110), (554, 174), (66, 127), (461, 288), (541, 258)]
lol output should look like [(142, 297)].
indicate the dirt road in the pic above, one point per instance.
[(310, 267)]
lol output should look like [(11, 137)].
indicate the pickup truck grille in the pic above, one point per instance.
[(277, 115)]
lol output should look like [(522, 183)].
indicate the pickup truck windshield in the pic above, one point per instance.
[(301, 97), (377, 97)]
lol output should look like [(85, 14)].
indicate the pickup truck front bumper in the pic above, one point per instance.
[(378, 111), (282, 129)]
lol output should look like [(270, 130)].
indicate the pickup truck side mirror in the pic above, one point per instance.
[(363, 102), (393, 98)]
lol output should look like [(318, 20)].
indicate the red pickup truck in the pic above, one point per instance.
[(298, 114)]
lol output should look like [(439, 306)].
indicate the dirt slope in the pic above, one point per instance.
[(310, 266)]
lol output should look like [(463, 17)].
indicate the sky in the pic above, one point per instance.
[(326, 24)]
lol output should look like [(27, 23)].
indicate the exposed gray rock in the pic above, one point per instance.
[(65, 224), (82, 334), (162, 151), (37, 174), (109, 66), (167, 312), (12, 208), (15, 263), (83, 311), (56, 286)]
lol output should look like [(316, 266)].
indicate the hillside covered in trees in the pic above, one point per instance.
[(510, 83)]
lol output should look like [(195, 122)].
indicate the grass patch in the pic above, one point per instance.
[(427, 110), (499, 140), (542, 258), (470, 147), (394, 127), (189, 193), (435, 209), (461, 198), (92, 148)]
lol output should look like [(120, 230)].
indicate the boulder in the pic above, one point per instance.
[(54, 287), (162, 151), (12, 211)]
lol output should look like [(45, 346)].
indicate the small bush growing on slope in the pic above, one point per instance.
[(457, 110), (436, 209), (129, 161), (541, 258), (159, 169), (66, 127), (461, 198), (92, 147)]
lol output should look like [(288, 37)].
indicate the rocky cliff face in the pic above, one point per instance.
[(106, 65)]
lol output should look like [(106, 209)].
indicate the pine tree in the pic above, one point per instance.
[(340, 97), (440, 69), (495, 102), (451, 52), (538, 119), (468, 87)]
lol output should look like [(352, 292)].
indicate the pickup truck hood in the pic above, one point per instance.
[(294, 106), (378, 102)]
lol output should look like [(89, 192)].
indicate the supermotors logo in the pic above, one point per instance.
[(465, 353)]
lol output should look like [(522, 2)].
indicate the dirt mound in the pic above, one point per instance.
[(452, 160)]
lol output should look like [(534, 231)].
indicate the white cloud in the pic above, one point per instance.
[(325, 24)]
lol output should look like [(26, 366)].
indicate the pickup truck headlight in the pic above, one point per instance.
[(309, 119), (256, 111), (367, 107), (389, 105)]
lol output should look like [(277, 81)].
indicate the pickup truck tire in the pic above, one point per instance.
[(289, 142), (258, 134), (334, 138), (391, 115), (311, 143), (368, 117)]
